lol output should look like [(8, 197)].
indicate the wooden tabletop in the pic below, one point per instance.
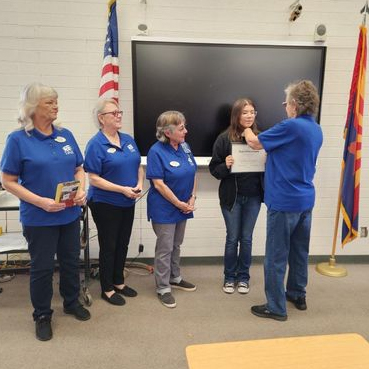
[(338, 351)]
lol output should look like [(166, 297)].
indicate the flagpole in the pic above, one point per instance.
[(330, 269), (365, 11)]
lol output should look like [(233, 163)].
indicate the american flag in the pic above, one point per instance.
[(110, 69), (351, 162)]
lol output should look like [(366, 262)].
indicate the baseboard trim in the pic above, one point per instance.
[(211, 260)]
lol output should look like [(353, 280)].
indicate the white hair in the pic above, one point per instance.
[(99, 108), (29, 99)]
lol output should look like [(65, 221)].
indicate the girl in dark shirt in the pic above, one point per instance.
[(240, 196)]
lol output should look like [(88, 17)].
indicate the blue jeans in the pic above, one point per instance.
[(288, 238), (240, 223)]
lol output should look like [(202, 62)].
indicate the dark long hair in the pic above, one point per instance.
[(235, 129)]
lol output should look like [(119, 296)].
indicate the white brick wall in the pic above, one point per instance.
[(60, 42)]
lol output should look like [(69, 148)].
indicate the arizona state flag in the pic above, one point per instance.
[(351, 162)]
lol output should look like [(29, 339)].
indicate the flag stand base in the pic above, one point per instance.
[(330, 269)]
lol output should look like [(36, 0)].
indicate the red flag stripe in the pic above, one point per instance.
[(109, 68), (109, 87), (351, 164)]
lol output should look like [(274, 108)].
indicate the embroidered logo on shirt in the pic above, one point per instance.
[(131, 148), (60, 139), (174, 164), (68, 150), (111, 150)]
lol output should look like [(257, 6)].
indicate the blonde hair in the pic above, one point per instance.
[(29, 99), (168, 121)]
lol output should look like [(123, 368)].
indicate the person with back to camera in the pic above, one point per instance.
[(171, 169), (113, 164), (292, 146), (240, 196), (36, 158)]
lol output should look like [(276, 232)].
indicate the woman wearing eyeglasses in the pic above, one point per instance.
[(171, 169), (113, 164), (240, 196)]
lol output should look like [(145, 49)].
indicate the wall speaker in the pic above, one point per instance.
[(143, 29), (320, 33)]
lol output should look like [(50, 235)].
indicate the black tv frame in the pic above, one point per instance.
[(203, 78)]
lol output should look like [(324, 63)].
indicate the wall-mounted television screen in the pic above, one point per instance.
[(202, 80)]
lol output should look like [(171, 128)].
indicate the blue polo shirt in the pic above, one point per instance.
[(177, 169), (292, 146), (41, 162), (118, 165)]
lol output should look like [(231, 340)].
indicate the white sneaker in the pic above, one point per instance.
[(243, 287), (228, 287)]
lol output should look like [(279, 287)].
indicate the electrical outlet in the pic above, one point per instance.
[(140, 248), (363, 231)]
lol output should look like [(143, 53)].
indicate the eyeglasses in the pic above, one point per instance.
[(254, 112), (285, 103), (116, 113)]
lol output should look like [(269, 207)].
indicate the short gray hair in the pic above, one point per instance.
[(305, 95), (99, 108), (29, 99), (168, 121)]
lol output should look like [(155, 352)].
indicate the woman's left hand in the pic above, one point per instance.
[(80, 198), (191, 204)]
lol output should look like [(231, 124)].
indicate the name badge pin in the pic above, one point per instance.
[(174, 164)]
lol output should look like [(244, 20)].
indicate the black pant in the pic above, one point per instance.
[(43, 244), (114, 228)]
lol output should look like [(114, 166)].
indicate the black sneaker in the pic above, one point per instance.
[(184, 285), (299, 302), (43, 328), (126, 291), (167, 300), (263, 312), (79, 312)]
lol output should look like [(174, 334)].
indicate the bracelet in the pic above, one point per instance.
[(192, 195)]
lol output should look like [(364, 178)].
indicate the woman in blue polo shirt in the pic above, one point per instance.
[(112, 161), (36, 158), (171, 169)]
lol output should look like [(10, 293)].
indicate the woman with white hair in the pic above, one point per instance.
[(36, 159), (113, 164)]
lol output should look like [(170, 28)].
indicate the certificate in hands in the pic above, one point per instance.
[(246, 159)]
